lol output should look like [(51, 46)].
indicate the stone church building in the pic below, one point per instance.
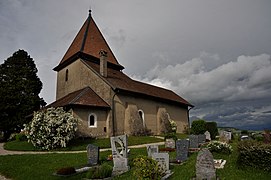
[(90, 82)]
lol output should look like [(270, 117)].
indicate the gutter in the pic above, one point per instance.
[(191, 107)]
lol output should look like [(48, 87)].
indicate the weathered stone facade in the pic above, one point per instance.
[(128, 106)]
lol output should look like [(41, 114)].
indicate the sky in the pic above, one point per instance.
[(214, 53)]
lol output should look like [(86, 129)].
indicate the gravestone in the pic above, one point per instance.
[(182, 148), (225, 136), (201, 138), (266, 137), (162, 159), (208, 136), (193, 141), (152, 149), (120, 161), (205, 168), (170, 143), (93, 154)]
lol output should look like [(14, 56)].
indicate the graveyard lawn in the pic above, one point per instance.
[(42, 166), (80, 144)]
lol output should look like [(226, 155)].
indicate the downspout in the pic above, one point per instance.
[(191, 107), (113, 113)]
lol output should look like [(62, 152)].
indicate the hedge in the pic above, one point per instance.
[(254, 154)]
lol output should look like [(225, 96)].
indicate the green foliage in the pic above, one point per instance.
[(19, 91), (220, 147), (66, 171), (212, 128), (244, 132), (20, 137), (51, 128), (198, 127), (254, 154), (171, 135), (99, 172), (146, 168)]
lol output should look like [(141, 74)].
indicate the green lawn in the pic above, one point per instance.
[(42, 166), (79, 144)]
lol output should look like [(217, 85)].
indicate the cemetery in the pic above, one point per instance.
[(193, 156)]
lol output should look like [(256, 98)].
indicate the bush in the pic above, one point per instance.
[(51, 128), (66, 171), (146, 168), (212, 128), (103, 171), (198, 127), (219, 147), (20, 137), (254, 154)]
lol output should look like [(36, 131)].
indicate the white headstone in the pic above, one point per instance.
[(208, 135), (120, 160), (162, 159), (152, 149)]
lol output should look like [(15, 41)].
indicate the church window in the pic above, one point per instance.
[(92, 120), (141, 114), (67, 75)]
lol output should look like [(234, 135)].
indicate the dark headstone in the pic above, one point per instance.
[(266, 137), (201, 138), (182, 147), (93, 154), (193, 141), (205, 167)]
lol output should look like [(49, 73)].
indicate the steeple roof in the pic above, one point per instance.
[(89, 40)]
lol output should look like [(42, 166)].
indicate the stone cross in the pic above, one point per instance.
[(205, 168), (120, 161), (182, 148), (93, 154)]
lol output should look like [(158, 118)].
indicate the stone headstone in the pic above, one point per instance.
[(152, 149), (120, 161), (205, 168), (93, 154), (201, 138), (193, 141), (170, 143), (162, 159), (266, 137), (182, 148), (208, 136), (225, 136)]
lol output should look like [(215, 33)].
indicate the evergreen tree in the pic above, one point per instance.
[(19, 91)]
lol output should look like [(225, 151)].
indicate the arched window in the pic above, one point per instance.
[(67, 75), (92, 120), (141, 114)]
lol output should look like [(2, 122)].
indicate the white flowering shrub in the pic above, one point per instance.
[(220, 147), (51, 128), (173, 125)]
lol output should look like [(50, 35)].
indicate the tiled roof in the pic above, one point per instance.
[(119, 80), (82, 97), (89, 40)]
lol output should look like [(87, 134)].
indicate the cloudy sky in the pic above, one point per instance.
[(214, 53)]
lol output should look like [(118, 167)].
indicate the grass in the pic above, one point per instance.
[(79, 144), (42, 166)]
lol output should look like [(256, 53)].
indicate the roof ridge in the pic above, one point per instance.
[(79, 95), (86, 33)]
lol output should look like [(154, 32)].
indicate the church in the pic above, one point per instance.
[(91, 83)]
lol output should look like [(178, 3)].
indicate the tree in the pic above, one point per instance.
[(19, 91), (198, 127)]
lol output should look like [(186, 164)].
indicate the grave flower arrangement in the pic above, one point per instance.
[(220, 147), (51, 128)]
